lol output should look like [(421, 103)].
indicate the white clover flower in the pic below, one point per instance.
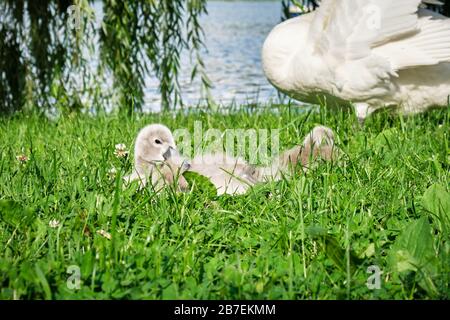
[(22, 158), (54, 223), (104, 234), (121, 150), (120, 146), (112, 173)]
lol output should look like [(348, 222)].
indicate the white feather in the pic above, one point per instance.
[(371, 52), (429, 46)]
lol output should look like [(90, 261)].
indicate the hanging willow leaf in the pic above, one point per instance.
[(41, 50)]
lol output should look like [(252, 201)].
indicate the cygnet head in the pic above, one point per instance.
[(153, 143)]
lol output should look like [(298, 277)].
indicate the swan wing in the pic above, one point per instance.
[(346, 30), (429, 46)]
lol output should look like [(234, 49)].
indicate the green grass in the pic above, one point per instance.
[(309, 237)]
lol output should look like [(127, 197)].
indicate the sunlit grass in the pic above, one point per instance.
[(309, 237)]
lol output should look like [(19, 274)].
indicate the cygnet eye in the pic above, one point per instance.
[(157, 141)]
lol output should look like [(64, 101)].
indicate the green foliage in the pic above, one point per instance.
[(333, 249), (414, 251), (379, 207), (200, 184), (43, 54), (436, 201), (45, 49), (14, 214), (414, 247), (386, 140)]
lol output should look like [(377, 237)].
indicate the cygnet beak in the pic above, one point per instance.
[(185, 166), (176, 159), (169, 153)]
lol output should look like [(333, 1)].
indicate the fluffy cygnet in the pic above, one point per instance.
[(229, 175), (235, 176)]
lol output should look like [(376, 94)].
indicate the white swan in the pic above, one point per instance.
[(157, 161), (372, 53)]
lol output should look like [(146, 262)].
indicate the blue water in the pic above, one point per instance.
[(235, 32)]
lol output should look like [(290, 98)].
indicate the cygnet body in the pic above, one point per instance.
[(228, 174)]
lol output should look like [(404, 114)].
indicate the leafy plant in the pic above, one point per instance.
[(15, 214), (413, 251), (195, 245), (333, 249), (436, 200), (200, 184), (43, 61)]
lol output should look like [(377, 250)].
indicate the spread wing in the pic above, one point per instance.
[(349, 30)]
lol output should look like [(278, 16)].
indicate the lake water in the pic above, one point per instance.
[(235, 32), (234, 35)]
